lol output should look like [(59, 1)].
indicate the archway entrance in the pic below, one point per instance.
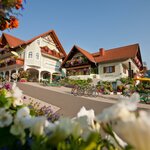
[(21, 69), (33, 75), (45, 75), (7, 75), (56, 77)]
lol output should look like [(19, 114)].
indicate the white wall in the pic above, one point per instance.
[(44, 63), (111, 76), (34, 48), (118, 70), (51, 65), (133, 66)]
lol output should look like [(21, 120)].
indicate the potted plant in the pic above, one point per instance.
[(23, 75)]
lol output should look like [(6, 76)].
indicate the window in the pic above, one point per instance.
[(109, 69), (38, 42), (30, 55), (37, 55)]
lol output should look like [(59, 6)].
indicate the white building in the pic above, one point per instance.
[(105, 65), (41, 56)]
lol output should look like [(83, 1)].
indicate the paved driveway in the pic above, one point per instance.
[(69, 105)]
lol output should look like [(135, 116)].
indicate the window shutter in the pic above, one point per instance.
[(104, 69), (113, 68)]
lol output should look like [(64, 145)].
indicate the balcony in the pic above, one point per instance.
[(51, 53), (17, 61), (11, 63), (20, 61), (5, 55), (76, 62)]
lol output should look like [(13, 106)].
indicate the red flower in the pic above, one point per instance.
[(14, 23), (4, 25), (18, 4), (19, 1)]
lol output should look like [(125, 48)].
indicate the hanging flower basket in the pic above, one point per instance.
[(50, 52)]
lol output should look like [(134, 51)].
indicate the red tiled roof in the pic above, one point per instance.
[(115, 54), (12, 41)]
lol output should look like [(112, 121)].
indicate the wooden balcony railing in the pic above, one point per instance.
[(69, 64), (17, 61)]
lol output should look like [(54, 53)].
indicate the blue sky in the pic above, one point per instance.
[(90, 24)]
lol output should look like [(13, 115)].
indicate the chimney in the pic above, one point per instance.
[(101, 51)]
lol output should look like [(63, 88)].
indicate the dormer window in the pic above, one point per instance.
[(30, 55), (38, 42)]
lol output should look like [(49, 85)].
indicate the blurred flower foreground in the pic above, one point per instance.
[(8, 13), (28, 127)]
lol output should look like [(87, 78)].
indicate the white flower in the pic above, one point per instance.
[(135, 131), (65, 127), (38, 125), (85, 129), (120, 110), (17, 95), (17, 92), (17, 128), (23, 117), (22, 121), (49, 127), (89, 113), (5, 118), (131, 102), (23, 112), (113, 141)]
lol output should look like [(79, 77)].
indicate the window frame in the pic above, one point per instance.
[(37, 56), (109, 69), (30, 54)]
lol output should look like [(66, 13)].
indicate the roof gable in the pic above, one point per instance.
[(85, 53), (11, 40), (54, 37)]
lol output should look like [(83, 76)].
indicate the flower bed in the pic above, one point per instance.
[(28, 127)]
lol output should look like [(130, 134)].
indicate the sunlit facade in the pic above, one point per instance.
[(41, 56)]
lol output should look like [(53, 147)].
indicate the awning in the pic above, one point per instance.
[(142, 79)]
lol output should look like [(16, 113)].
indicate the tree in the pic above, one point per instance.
[(8, 13)]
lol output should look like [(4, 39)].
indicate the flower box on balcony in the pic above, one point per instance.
[(54, 53), (50, 52), (57, 55), (19, 61)]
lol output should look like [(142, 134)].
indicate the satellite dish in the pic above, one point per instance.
[(15, 53)]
